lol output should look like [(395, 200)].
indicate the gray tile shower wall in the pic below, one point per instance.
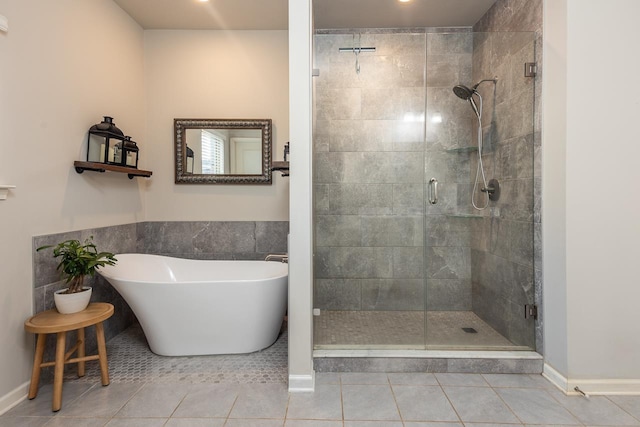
[(376, 237), (506, 248), (197, 240), (512, 15), (447, 255), (368, 172), (370, 182)]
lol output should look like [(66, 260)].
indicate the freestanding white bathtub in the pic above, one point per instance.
[(194, 307)]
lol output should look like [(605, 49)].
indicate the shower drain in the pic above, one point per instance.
[(470, 330)]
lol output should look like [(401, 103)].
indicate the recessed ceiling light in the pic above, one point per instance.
[(207, 1), (404, 1)]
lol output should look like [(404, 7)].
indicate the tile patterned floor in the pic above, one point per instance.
[(251, 391), (382, 329), (131, 361), (340, 400)]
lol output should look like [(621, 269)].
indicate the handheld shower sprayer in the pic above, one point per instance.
[(463, 92), (466, 94)]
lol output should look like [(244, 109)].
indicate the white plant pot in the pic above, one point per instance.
[(72, 303)]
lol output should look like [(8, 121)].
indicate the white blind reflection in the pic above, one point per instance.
[(212, 153)]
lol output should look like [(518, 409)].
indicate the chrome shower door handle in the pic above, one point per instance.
[(433, 191)]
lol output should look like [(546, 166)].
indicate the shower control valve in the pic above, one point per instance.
[(489, 190), (492, 189)]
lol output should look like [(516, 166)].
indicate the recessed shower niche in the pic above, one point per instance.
[(393, 269)]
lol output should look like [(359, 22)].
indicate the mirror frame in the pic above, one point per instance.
[(183, 177)]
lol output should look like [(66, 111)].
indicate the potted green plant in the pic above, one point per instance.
[(77, 260)]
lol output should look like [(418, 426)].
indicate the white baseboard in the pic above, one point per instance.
[(604, 387), (14, 397), (591, 386), (302, 383), (555, 377)]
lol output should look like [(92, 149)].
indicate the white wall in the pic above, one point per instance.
[(554, 134), (602, 217), (63, 65), (215, 75), (603, 198), (301, 374)]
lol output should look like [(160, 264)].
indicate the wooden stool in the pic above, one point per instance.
[(52, 322)]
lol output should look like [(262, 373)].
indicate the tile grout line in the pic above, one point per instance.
[(395, 400), (128, 400), (449, 400), (565, 408), (506, 404), (341, 398), (178, 405), (624, 410), (286, 409)]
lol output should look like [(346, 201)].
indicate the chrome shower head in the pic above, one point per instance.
[(463, 92)]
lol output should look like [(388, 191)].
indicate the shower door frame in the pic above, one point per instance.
[(479, 223)]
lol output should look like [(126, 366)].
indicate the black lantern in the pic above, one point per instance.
[(105, 143), (190, 158), (129, 153)]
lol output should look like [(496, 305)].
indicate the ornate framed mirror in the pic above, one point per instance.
[(223, 151)]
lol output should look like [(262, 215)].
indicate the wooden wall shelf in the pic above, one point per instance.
[(101, 167), (282, 166)]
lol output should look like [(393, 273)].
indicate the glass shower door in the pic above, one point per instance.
[(395, 268), (479, 262), (369, 285)]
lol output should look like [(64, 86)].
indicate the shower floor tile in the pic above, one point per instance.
[(131, 361), (392, 329), (444, 330)]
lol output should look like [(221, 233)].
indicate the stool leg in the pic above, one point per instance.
[(37, 361), (102, 354), (58, 371), (81, 352)]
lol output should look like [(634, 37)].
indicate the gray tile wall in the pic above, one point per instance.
[(195, 240), (369, 229), (362, 207), (448, 127), (46, 280), (516, 159), (368, 173), (213, 239), (502, 253), (441, 365), (377, 239)]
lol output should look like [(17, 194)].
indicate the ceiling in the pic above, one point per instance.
[(328, 14), (213, 15), (393, 14)]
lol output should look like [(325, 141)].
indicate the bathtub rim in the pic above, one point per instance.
[(204, 281)]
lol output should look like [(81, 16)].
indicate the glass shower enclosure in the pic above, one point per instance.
[(403, 260)]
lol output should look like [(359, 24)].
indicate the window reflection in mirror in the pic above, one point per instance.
[(225, 151)]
